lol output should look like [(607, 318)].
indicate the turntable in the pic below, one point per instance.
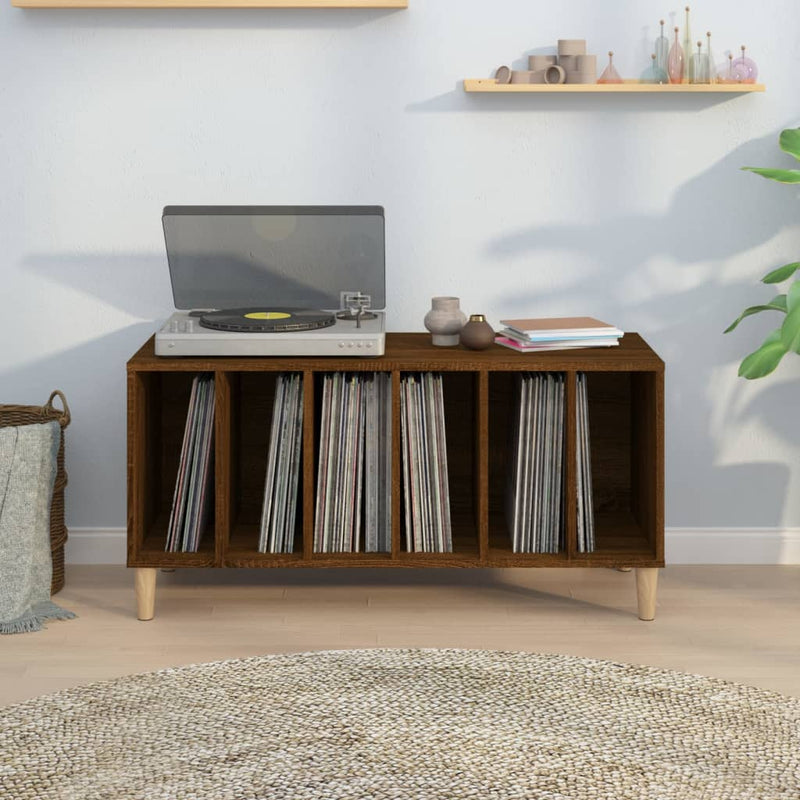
[(275, 281)]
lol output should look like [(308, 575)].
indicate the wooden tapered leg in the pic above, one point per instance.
[(646, 588), (145, 582)]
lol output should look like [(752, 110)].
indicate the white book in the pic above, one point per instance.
[(447, 532), (177, 497), (385, 471), (406, 462), (194, 455), (288, 542), (269, 478)]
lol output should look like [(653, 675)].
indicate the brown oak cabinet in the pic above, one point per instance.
[(626, 417)]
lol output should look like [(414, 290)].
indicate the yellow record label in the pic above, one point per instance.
[(268, 315)]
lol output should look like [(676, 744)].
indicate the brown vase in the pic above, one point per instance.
[(477, 334)]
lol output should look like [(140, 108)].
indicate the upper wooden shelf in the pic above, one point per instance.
[(491, 85), (210, 3)]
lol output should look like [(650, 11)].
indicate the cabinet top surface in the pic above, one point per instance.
[(414, 351)]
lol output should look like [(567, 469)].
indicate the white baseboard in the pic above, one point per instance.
[(732, 545), (683, 546), (96, 546)]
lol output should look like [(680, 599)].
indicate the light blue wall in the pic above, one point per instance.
[(631, 209)]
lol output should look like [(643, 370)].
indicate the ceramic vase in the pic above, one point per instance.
[(445, 320), (477, 334)]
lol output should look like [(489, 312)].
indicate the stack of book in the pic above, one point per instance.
[(534, 496), (354, 470), (283, 466), (426, 491), (557, 333), (194, 484)]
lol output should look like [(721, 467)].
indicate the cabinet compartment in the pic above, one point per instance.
[(353, 466), (252, 400), (460, 422), (503, 412), (625, 458), (162, 402)]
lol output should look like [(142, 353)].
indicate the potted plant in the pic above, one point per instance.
[(786, 338)]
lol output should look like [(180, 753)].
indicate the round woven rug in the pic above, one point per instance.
[(404, 724)]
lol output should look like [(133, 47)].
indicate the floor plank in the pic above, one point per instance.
[(738, 623)]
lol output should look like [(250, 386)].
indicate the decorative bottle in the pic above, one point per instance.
[(745, 70), (712, 67), (700, 65), (610, 74), (675, 61), (688, 47), (654, 73), (477, 334), (445, 320), (662, 50)]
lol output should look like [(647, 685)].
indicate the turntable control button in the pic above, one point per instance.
[(189, 326), (349, 344), (360, 344), (369, 344), (341, 344), (173, 326)]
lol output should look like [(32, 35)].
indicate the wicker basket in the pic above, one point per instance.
[(29, 415)]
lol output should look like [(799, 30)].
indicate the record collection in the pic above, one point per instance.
[(534, 495), (353, 504), (283, 466), (585, 505), (194, 484), (426, 490)]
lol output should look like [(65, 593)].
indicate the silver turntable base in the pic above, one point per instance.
[(182, 335)]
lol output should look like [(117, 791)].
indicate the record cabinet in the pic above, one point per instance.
[(626, 419)]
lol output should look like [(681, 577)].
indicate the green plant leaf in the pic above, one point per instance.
[(765, 359), (778, 303), (780, 175), (781, 274), (790, 142), (793, 296), (790, 330)]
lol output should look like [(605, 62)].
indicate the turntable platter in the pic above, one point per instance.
[(267, 320)]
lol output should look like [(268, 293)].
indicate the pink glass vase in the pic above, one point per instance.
[(675, 61), (610, 74)]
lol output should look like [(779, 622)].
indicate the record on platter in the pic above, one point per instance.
[(266, 320)]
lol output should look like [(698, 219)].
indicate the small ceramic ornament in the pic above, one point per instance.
[(445, 320), (477, 334)]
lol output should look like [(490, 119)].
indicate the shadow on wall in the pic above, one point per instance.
[(92, 374), (93, 379), (721, 213)]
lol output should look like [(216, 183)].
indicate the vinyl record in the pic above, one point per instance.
[(266, 320)]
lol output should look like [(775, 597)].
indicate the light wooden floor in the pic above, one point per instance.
[(739, 623)]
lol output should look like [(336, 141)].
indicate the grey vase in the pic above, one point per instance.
[(445, 321)]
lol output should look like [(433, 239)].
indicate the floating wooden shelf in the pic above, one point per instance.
[(491, 85), (210, 3)]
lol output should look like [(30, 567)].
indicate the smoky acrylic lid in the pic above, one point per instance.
[(267, 256)]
